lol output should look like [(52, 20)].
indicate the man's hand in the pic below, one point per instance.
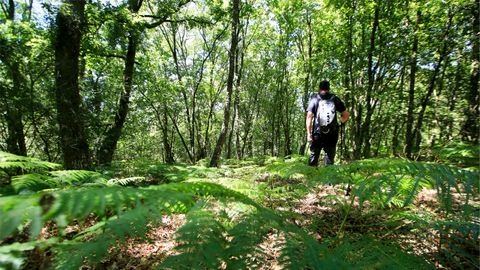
[(309, 137)]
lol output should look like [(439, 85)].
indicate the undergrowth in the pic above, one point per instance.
[(245, 215)]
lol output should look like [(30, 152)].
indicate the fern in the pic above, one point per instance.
[(16, 211), (366, 252), (127, 212), (454, 243), (30, 183), (459, 153), (33, 182), (387, 183), (227, 229), (244, 250), (129, 181), (12, 163), (11, 256), (202, 242), (381, 181), (205, 243)]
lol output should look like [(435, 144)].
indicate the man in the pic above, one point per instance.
[(321, 112)]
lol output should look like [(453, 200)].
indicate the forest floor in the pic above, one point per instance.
[(321, 207), (260, 213)]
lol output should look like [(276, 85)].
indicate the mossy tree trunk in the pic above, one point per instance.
[(70, 20)]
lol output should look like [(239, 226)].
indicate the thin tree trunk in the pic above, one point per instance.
[(169, 157), (162, 118), (190, 157), (236, 102), (76, 154), (112, 135), (231, 74), (201, 153), (443, 53), (189, 115), (252, 113), (411, 92), (371, 80), (109, 143), (308, 69), (470, 130), (349, 82), (357, 105), (452, 103)]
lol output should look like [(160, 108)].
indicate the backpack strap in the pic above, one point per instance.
[(331, 98)]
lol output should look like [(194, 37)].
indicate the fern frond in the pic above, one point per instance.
[(202, 242), (13, 256), (367, 252), (454, 243), (16, 211), (381, 181), (32, 182), (244, 249), (129, 181), (77, 177), (132, 223), (11, 162), (29, 183)]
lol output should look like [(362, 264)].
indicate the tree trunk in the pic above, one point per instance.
[(231, 74), (12, 96), (109, 143), (251, 115), (172, 44), (236, 102), (411, 92), (177, 129), (76, 154), (443, 53), (452, 104), (349, 82), (113, 133), (371, 80), (470, 130), (14, 114), (169, 158), (308, 69)]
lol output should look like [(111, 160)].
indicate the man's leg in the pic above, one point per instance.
[(314, 153), (330, 151)]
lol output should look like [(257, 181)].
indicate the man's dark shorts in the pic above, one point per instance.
[(327, 142)]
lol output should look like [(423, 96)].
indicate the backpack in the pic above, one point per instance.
[(326, 115)]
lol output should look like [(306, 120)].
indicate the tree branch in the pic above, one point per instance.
[(164, 18), (4, 8)]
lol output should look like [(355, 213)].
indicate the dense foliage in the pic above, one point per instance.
[(153, 77), (170, 134)]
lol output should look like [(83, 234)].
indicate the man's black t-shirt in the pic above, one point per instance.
[(313, 106)]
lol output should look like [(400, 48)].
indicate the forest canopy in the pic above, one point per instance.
[(89, 81)]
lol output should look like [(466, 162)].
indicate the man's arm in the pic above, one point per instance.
[(308, 123), (344, 116)]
